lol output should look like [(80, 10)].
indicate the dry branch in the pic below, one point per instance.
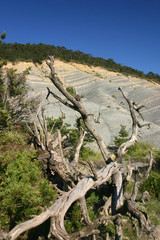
[(79, 146), (83, 206), (137, 184), (58, 210), (135, 126), (77, 106)]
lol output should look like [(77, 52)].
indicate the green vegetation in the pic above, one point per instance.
[(138, 152), (12, 96), (73, 137), (71, 90), (23, 189), (113, 96), (153, 210), (152, 185), (73, 217), (2, 35), (122, 137), (38, 52)]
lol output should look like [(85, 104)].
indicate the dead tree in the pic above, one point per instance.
[(114, 171)]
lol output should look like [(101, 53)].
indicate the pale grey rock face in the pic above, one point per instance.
[(101, 94)]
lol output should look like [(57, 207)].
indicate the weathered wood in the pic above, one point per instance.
[(118, 228), (78, 148), (58, 210), (137, 184), (135, 127), (72, 103), (117, 192), (141, 216), (83, 206)]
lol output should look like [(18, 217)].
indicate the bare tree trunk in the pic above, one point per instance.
[(78, 148), (117, 194), (135, 126), (76, 105), (118, 227), (84, 210), (138, 184)]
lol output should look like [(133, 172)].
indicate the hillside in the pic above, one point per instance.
[(99, 88), (51, 182)]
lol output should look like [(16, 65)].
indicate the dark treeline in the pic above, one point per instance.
[(38, 52)]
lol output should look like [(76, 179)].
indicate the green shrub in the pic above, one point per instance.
[(86, 152), (54, 124), (137, 152), (16, 82), (92, 201), (122, 137), (97, 159), (13, 137), (157, 158), (152, 185), (109, 228), (73, 136), (73, 218), (153, 210), (23, 189), (71, 90), (5, 119)]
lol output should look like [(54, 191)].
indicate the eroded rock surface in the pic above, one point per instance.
[(99, 89)]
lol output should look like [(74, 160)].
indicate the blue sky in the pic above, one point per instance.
[(128, 31)]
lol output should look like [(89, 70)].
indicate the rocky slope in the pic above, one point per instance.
[(99, 89)]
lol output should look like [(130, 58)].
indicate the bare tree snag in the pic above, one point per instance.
[(79, 146), (93, 170), (117, 194), (118, 226), (83, 206), (106, 206), (140, 216), (135, 126), (72, 103), (61, 151), (138, 184)]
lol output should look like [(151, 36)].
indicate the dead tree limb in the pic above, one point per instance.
[(58, 210), (140, 216), (79, 145), (118, 227), (36, 133), (61, 151), (77, 106), (135, 126), (137, 184), (93, 170), (83, 206)]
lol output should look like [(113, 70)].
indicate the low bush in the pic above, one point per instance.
[(23, 189), (152, 185)]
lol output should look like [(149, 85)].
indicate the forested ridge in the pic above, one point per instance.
[(38, 52)]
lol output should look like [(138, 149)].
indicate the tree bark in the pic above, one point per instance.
[(58, 210)]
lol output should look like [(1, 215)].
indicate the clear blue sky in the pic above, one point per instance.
[(126, 30)]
